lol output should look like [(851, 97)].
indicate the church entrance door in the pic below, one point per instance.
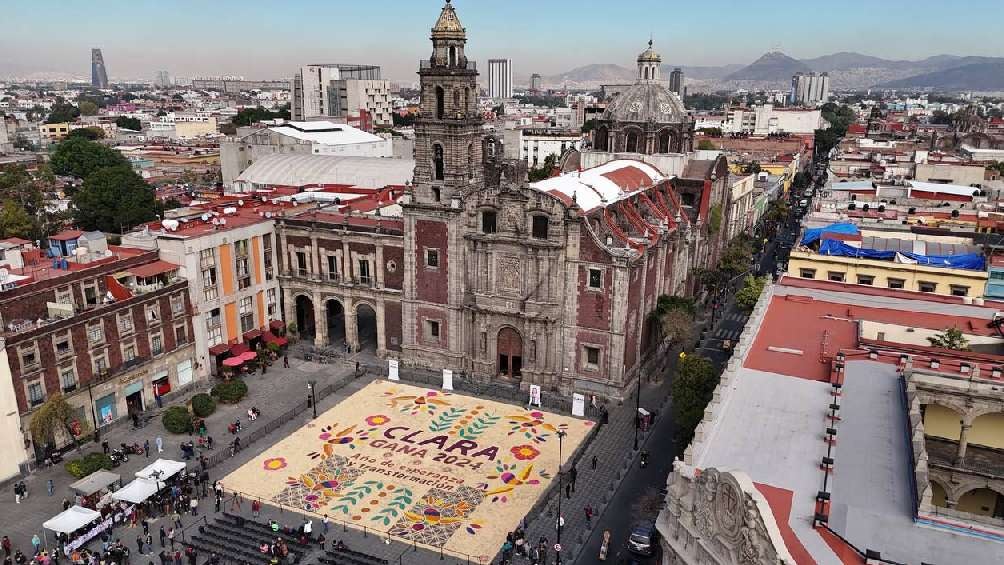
[(510, 351)]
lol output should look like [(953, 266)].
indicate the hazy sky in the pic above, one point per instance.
[(262, 39)]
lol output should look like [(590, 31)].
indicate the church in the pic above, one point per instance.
[(472, 268)]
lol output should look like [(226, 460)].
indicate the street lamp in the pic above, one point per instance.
[(637, 410), (312, 399), (94, 414), (561, 436)]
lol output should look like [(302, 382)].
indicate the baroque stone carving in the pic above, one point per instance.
[(509, 276)]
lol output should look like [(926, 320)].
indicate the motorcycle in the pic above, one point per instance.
[(118, 457), (135, 448)]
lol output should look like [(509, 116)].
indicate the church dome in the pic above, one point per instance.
[(646, 102), (650, 55)]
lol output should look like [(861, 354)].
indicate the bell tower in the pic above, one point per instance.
[(448, 132)]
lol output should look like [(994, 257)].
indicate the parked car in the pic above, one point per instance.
[(643, 539)]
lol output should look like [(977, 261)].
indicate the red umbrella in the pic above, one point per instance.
[(233, 362)]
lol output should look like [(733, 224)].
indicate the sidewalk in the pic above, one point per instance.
[(273, 393)]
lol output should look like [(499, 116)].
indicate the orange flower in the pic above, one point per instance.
[(525, 452), (274, 464)]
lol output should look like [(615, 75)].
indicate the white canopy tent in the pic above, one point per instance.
[(161, 470), (136, 491), (71, 520)]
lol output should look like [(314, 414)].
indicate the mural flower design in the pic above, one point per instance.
[(437, 511), (331, 437), (532, 426), (422, 403), (377, 420), (525, 452), (274, 464), (511, 478)]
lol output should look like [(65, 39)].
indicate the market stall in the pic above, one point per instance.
[(71, 520), (161, 470), (137, 491), (95, 483)]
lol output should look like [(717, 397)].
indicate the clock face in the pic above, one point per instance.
[(635, 106), (665, 108)]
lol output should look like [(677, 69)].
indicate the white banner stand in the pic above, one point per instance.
[(447, 379), (578, 405), (392, 370), (535, 395)]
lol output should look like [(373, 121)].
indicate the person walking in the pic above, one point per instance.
[(560, 524), (148, 542), (256, 510), (593, 462), (163, 537), (568, 490), (573, 474), (589, 514), (160, 444), (146, 448), (17, 493), (285, 360), (6, 546), (36, 542), (193, 504), (170, 537), (50, 486)]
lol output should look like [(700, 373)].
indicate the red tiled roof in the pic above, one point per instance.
[(67, 235), (153, 269), (779, 500), (630, 178)]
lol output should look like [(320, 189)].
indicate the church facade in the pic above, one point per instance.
[(478, 271)]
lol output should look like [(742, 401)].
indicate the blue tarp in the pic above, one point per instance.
[(971, 261), (813, 235)]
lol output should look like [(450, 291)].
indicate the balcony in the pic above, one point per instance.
[(980, 460), (426, 64)]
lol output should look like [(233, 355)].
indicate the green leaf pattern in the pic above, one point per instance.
[(355, 495), (402, 500), (479, 426), (446, 419)]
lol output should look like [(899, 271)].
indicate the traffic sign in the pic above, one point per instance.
[(557, 547)]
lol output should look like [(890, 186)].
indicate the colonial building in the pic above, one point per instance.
[(107, 328), (475, 270)]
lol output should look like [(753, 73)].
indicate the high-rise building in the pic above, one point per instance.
[(163, 79), (535, 82), (810, 89), (676, 81), (99, 75), (500, 78), (338, 91)]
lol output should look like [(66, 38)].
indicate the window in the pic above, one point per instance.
[(62, 346), (592, 357), (156, 344), (271, 306), (895, 283), (266, 244), (128, 351), (207, 258), (835, 276), (440, 103), (435, 193), (997, 275), (927, 286), (687, 199), (959, 290), (95, 334), (807, 273), (432, 258), (91, 294), (488, 221), (595, 278), (539, 227), (125, 324), (301, 263), (180, 334), (432, 330), (332, 267), (209, 283), (438, 165), (866, 279), (68, 378), (243, 263), (64, 296), (36, 394), (247, 314), (29, 359), (152, 314), (364, 271), (177, 304), (100, 365)]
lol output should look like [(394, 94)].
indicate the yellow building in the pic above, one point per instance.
[(52, 133), (887, 274)]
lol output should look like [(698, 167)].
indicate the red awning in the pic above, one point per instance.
[(238, 349), (277, 324), (251, 334), (219, 349), (281, 341), (152, 269)]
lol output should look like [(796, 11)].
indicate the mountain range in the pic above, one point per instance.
[(848, 70)]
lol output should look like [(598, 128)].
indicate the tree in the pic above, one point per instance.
[(79, 158), (126, 122), (90, 134), (951, 338), (14, 221), (748, 295), (545, 171), (692, 389), (248, 116), (706, 145), (53, 418), (752, 168), (87, 108), (62, 112), (407, 120), (114, 199), (589, 126)]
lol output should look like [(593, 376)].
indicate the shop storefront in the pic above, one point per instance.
[(105, 407), (133, 393)]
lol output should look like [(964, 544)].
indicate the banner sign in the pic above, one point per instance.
[(392, 370), (447, 379), (578, 405)]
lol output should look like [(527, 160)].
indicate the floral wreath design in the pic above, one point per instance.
[(524, 452), (274, 464)]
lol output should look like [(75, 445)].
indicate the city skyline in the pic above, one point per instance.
[(310, 31)]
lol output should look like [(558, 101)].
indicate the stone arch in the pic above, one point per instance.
[(987, 429), (453, 56), (666, 141), (509, 353), (440, 103), (366, 325), (633, 140), (456, 99), (467, 100), (334, 317), (982, 500), (304, 307), (470, 161), (438, 162), (940, 493), (941, 420), (602, 142)]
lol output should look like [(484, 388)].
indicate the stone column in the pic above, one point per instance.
[(315, 269), (963, 443), (320, 321), (380, 327), (284, 267), (346, 264), (289, 308), (351, 325), (378, 273)]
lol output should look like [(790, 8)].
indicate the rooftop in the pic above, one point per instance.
[(602, 185), (295, 170), (326, 133)]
